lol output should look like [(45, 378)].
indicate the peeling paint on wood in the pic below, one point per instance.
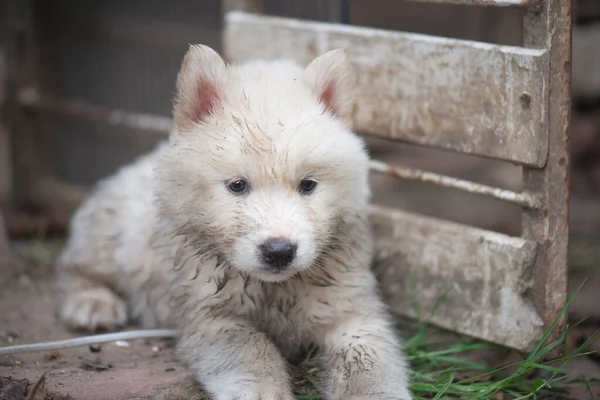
[(489, 276), (459, 95)]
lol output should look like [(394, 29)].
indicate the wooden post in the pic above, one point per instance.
[(549, 27)]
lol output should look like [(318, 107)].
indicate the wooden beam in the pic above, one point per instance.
[(465, 96), (489, 276)]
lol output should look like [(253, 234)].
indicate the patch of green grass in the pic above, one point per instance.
[(440, 374), (442, 369)]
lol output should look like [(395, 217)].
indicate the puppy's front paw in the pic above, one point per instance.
[(93, 309)]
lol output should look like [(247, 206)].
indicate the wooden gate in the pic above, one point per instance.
[(503, 102)]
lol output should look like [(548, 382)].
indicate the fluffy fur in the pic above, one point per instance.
[(167, 242)]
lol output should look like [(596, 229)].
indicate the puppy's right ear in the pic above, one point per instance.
[(199, 87), (331, 78)]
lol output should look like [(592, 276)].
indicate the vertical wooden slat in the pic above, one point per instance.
[(551, 28), (338, 11), (21, 67), (5, 251), (5, 154)]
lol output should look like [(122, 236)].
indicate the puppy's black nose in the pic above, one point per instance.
[(278, 253)]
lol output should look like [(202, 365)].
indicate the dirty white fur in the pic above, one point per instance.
[(165, 242)]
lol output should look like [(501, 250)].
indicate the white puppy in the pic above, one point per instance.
[(248, 232)]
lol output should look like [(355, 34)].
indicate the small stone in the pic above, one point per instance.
[(95, 348), (121, 343), (95, 365), (155, 349), (51, 355), (11, 337)]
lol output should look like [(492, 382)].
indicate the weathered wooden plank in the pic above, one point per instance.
[(465, 96), (498, 3), (551, 28), (488, 274)]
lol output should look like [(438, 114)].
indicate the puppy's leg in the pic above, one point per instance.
[(85, 298), (362, 359), (234, 361)]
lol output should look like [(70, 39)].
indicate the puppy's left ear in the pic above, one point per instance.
[(331, 78), (199, 87)]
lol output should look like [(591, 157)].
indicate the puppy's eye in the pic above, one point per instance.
[(238, 186), (307, 186)]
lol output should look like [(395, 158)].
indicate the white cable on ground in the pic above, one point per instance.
[(87, 340)]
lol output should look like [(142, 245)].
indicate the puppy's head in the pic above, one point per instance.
[(263, 169)]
